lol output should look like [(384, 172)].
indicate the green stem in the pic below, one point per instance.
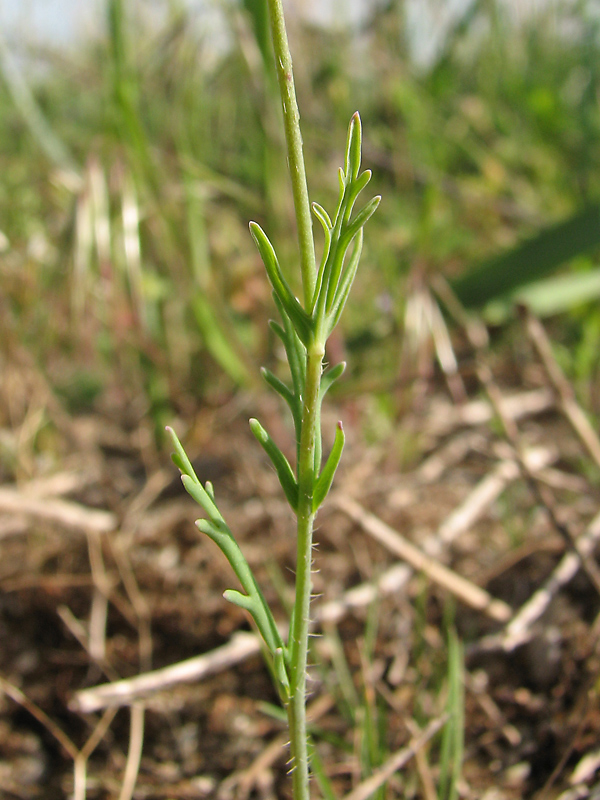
[(298, 645), (293, 136)]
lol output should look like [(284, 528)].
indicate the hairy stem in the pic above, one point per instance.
[(293, 137), (310, 427), (301, 613)]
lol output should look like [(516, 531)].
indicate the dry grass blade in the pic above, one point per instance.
[(424, 326), (485, 493), (240, 647), (464, 590), (478, 337), (396, 762), (134, 754), (479, 412), (19, 697), (542, 497), (519, 630), (247, 779), (65, 513), (125, 692), (572, 410)]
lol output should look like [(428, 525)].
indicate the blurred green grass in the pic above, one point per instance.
[(130, 172)]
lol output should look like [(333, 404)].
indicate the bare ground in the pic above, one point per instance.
[(104, 577)]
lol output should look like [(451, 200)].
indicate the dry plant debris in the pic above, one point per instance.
[(109, 599)]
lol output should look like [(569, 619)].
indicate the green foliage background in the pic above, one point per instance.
[(130, 171)]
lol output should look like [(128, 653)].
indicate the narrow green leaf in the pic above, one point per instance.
[(195, 489), (277, 385), (345, 284), (318, 770), (452, 740), (281, 670), (325, 221), (213, 531), (277, 329), (288, 395), (361, 218), (335, 270), (342, 182), (353, 192), (295, 350), (178, 462), (216, 529), (331, 376), (179, 457), (353, 147), (217, 341), (325, 480), (298, 316), (322, 216), (240, 600), (547, 297), (531, 260), (280, 462)]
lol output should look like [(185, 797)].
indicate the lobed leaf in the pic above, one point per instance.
[(335, 270), (213, 531), (256, 603)]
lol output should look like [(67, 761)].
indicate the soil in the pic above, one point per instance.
[(88, 599)]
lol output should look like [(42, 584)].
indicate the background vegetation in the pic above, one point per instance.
[(130, 174), (131, 292)]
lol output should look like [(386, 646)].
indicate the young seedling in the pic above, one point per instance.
[(304, 330)]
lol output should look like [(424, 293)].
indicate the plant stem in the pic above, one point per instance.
[(301, 612), (293, 137)]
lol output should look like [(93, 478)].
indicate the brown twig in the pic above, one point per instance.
[(569, 405)]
